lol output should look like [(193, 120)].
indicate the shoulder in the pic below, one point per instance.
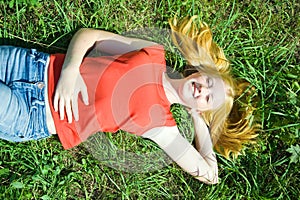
[(155, 49)]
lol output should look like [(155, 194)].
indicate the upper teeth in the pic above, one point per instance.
[(196, 90)]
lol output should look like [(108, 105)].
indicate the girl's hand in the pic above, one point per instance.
[(69, 85)]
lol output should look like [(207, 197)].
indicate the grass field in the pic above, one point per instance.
[(261, 38)]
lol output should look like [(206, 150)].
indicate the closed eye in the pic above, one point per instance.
[(209, 82), (209, 98)]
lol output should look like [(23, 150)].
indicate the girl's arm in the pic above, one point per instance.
[(202, 166), (70, 83), (202, 139), (111, 43)]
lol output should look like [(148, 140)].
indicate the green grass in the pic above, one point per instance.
[(261, 38)]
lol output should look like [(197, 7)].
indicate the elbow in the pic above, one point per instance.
[(210, 178), (213, 181), (84, 30), (89, 31)]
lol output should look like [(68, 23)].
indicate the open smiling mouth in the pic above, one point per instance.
[(196, 89)]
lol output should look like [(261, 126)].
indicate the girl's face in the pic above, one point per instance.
[(202, 92)]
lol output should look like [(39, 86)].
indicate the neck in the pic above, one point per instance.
[(171, 87)]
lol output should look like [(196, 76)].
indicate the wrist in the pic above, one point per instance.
[(70, 69), (71, 63)]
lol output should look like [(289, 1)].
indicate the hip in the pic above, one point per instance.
[(23, 76)]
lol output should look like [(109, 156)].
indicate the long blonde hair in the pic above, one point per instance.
[(230, 127)]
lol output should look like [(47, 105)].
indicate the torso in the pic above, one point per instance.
[(117, 96)]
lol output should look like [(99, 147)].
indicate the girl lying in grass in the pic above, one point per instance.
[(76, 96)]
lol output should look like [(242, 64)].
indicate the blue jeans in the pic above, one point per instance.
[(22, 94)]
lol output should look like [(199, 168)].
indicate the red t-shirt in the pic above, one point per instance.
[(125, 93)]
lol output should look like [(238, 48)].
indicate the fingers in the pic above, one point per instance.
[(85, 96), (75, 108), (85, 99), (56, 98), (60, 105), (61, 108), (69, 106), (69, 111), (64, 105)]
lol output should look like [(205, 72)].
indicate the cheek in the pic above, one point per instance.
[(185, 91), (202, 104), (218, 103), (219, 99)]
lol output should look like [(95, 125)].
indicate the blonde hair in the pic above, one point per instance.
[(229, 130)]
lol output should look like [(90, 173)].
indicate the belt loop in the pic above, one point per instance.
[(39, 102)]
